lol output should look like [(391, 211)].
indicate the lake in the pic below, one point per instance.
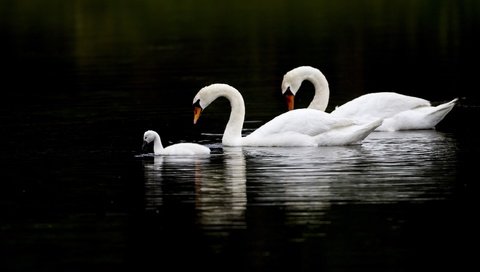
[(84, 79)]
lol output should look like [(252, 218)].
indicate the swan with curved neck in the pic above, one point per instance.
[(176, 149), (400, 112), (232, 135), (293, 80), (303, 127)]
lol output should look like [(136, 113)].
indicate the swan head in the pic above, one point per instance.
[(292, 81), (290, 85), (205, 97)]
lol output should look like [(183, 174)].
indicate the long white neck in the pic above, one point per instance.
[(157, 144), (233, 131), (322, 92), (232, 136)]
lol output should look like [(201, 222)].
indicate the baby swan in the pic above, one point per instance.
[(185, 149)]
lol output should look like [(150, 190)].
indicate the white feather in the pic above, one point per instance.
[(303, 127), (398, 111), (185, 149)]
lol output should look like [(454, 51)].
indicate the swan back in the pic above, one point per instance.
[(308, 127), (304, 121), (186, 149), (379, 105)]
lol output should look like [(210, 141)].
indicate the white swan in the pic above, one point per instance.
[(302, 127), (400, 112), (176, 149)]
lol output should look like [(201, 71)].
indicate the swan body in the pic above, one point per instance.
[(398, 111), (302, 127), (176, 149)]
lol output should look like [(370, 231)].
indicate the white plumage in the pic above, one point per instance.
[(186, 149), (398, 111), (303, 127)]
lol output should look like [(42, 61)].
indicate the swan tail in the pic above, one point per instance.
[(446, 106), (347, 135), (441, 111), (368, 128)]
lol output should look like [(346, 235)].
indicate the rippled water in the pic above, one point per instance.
[(387, 168), (300, 199)]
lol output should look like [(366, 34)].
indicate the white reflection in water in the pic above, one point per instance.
[(221, 192), (219, 186), (162, 172), (386, 168)]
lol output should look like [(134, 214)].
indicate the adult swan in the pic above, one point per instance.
[(302, 127), (399, 112)]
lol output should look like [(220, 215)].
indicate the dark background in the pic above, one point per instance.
[(103, 60)]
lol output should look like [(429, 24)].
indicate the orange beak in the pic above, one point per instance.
[(196, 114), (289, 98)]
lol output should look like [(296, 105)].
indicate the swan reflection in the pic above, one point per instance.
[(170, 177), (216, 185), (221, 194), (304, 182), (387, 167), (294, 179)]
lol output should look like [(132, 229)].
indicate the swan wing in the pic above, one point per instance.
[(379, 105), (419, 118), (303, 121), (329, 131)]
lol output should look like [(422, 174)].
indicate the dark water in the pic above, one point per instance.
[(82, 81)]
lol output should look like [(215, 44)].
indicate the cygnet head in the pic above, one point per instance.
[(148, 137)]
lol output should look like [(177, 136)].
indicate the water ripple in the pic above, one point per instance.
[(386, 168)]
